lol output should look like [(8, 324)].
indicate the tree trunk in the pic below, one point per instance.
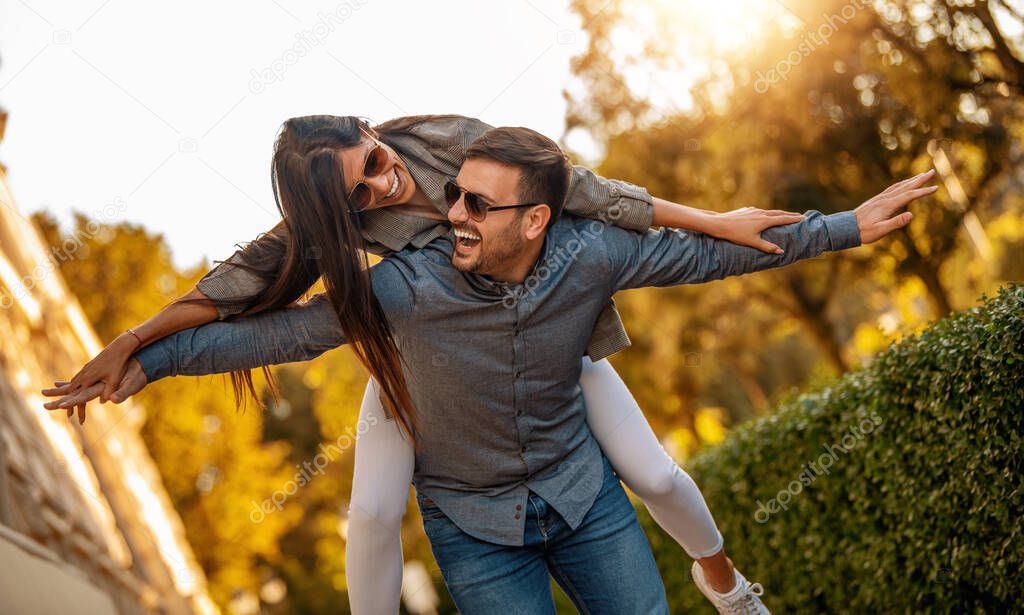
[(811, 310)]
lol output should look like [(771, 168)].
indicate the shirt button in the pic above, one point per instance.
[(518, 515), (519, 506), (518, 373)]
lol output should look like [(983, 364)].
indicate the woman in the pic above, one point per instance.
[(388, 195)]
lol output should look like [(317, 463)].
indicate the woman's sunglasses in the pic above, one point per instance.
[(376, 161), (476, 206)]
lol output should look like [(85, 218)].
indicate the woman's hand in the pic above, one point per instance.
[(133, 381), (740, 226), (106, 367), (744, 226)]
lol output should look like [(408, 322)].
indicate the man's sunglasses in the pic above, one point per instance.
[(476, 206), (376, 161)]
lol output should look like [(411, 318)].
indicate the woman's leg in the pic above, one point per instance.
[(626, 438), (669, 493), (380, 489)]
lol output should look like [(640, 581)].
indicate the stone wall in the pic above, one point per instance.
[(85, 523)]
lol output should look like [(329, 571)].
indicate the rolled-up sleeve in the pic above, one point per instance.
[(237, 278), (669, 257), (609, 200)]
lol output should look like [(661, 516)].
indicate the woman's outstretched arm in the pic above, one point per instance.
[(631, 207), (740, 226), (219, 294), (108, 367), (297, 333)]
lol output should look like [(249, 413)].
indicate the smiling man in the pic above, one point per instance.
[(511, 483)]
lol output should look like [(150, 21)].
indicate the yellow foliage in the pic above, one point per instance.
[(680, 443), (708, 424)]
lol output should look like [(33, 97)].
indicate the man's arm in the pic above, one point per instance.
[(280, 336), (298, 333), (287, 335), (667, 257), (632, 207), (291, 334)]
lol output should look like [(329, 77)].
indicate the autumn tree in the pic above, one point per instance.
[(829, 103)]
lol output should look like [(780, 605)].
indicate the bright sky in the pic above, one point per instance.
[(162, 118), (166, 115)]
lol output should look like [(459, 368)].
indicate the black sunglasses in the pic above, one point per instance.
[(475, 204), (375, 163)]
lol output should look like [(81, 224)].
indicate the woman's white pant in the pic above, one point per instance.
[(384, 467)]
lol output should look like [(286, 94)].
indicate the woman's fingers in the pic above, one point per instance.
[(108, 390), (769, 221), (55, 404), (81, 414), (76, 399), (769, 247), (784, 213), (62, 389), (789, 218)]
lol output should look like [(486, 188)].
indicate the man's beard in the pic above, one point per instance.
[(504, 249)]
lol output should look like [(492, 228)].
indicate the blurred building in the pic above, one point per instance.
[(85, 523)]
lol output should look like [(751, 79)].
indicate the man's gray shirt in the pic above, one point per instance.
[(494, 368)]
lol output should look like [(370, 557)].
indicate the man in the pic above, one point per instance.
[(492, 321)]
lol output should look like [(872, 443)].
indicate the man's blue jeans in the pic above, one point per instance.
[(604, 566)]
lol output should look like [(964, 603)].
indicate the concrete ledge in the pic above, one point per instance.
[(35, 581)]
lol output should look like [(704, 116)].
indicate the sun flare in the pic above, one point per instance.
[(723, 27)]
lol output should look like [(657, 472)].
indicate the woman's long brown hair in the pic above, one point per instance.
[(323, 240)]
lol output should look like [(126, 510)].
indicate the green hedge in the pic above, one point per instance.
[(925, 510)]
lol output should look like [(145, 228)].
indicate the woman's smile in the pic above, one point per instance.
[(395, 185)]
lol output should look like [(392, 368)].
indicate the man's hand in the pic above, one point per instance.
[(133, 381), (882, 214)]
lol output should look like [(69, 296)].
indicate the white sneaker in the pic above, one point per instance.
[(744, 599)]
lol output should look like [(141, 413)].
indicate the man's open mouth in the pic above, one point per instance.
[(465, 240)]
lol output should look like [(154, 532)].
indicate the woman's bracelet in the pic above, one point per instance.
[(132, 331)]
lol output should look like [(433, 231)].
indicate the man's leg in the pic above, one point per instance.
[(485, 578), (606, 564)]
